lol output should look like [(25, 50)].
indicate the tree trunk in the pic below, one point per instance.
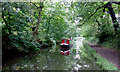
[(48, 24), (39, 18), (9, 29), (98, 24), (112, 14), (37, 27)]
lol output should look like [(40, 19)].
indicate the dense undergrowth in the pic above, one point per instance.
[(111, 41), (20, 20)]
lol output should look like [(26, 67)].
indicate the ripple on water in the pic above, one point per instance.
[(31, 66), (86, 65), (75, 68), (77, 56), (79, 66), (25, 65), (45, 67)]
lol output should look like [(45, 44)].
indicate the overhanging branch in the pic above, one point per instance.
[(104, 6), (34, 5), (97, 10), (116, 3), (6, 24)]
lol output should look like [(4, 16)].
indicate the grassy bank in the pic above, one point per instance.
[(90, 53)]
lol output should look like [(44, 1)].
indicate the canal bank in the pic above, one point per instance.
[(55, 61)]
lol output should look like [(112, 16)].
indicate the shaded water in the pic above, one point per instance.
[(56, 61)]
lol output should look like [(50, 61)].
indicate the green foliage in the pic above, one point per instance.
[(58, 20), (99, 28), (20, 18)]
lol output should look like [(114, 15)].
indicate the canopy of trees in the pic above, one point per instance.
[(33, 26)]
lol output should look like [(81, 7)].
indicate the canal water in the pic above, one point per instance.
[(56, 61)]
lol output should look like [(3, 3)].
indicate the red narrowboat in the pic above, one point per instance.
[(65, 49)]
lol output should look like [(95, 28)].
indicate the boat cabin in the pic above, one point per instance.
[(65, 45)]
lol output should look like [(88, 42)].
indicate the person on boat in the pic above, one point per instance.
[(70, 38)]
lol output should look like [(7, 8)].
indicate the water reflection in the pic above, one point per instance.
[(77, 56), (56, 61)]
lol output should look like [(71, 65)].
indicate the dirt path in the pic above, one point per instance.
[(111, 55)]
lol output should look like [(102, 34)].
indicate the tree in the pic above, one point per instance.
[(48, 24), (39, 17), (111, 12)]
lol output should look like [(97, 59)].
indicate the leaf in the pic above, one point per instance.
[(106, 2), (37, 49)]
